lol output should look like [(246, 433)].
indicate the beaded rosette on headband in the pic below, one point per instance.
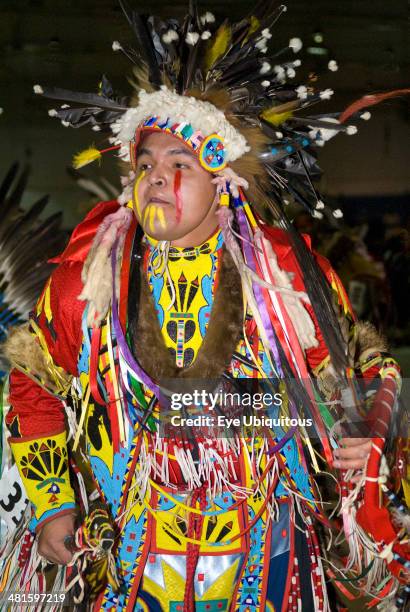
[(239, 107)]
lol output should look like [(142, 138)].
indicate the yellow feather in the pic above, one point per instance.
[(280, 113), (218, 45), (253, 26), (275, 118), (86, 157)]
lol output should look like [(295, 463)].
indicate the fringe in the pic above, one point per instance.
[(215, 468), (363, 551)]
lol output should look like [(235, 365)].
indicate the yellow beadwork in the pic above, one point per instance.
[(43, 468), (224, 199), (186, 271)]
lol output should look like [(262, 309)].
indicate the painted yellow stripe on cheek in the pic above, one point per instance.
[(161, 217), (135, 194), (152, 215)]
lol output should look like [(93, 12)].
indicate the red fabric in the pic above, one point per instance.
[(63, 334), (36, 412), (374, 517), (287, 261), (81, 238)]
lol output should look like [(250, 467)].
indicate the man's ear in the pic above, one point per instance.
[(215, 202)]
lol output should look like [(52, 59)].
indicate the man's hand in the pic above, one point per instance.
[(352, 454), (51, 539)]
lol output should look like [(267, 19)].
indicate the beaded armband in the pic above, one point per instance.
[(43, 467)]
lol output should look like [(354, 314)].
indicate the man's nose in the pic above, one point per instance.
[(157, 178)]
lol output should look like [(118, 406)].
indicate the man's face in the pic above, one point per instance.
[(173, 196)]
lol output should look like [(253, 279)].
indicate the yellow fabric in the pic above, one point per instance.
[(340, 292), (186, 274), (43, 468), (169, 527)]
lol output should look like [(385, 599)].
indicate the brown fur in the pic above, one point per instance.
[(220, 341), (22, 350), (363, 342), (368, 340)]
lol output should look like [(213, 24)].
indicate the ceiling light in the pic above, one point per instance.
[(317, 50)]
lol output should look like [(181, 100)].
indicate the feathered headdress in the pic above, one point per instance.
[(241, 102)]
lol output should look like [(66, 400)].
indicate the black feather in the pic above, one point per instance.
[(79, 97), (26, 242), (145, 44), (264, 9), (318, 290), (188, 53), (14, 199), (6, 184), (78, 117), (24, 221)]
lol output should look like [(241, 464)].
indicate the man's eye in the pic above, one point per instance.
[(181, 165), (143, 167)]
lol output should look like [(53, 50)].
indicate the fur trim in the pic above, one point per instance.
[(221, 339), (365, 341), (368, 341), (165, 104), (24, 353)]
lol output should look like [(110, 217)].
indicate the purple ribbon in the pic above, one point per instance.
[(121, 341), (257, 290), (288, 435)]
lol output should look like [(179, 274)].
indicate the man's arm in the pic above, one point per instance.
[(38, 442), (44, 354), (370, 361)]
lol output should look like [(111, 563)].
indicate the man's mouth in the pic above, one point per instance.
[(158, 200)]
